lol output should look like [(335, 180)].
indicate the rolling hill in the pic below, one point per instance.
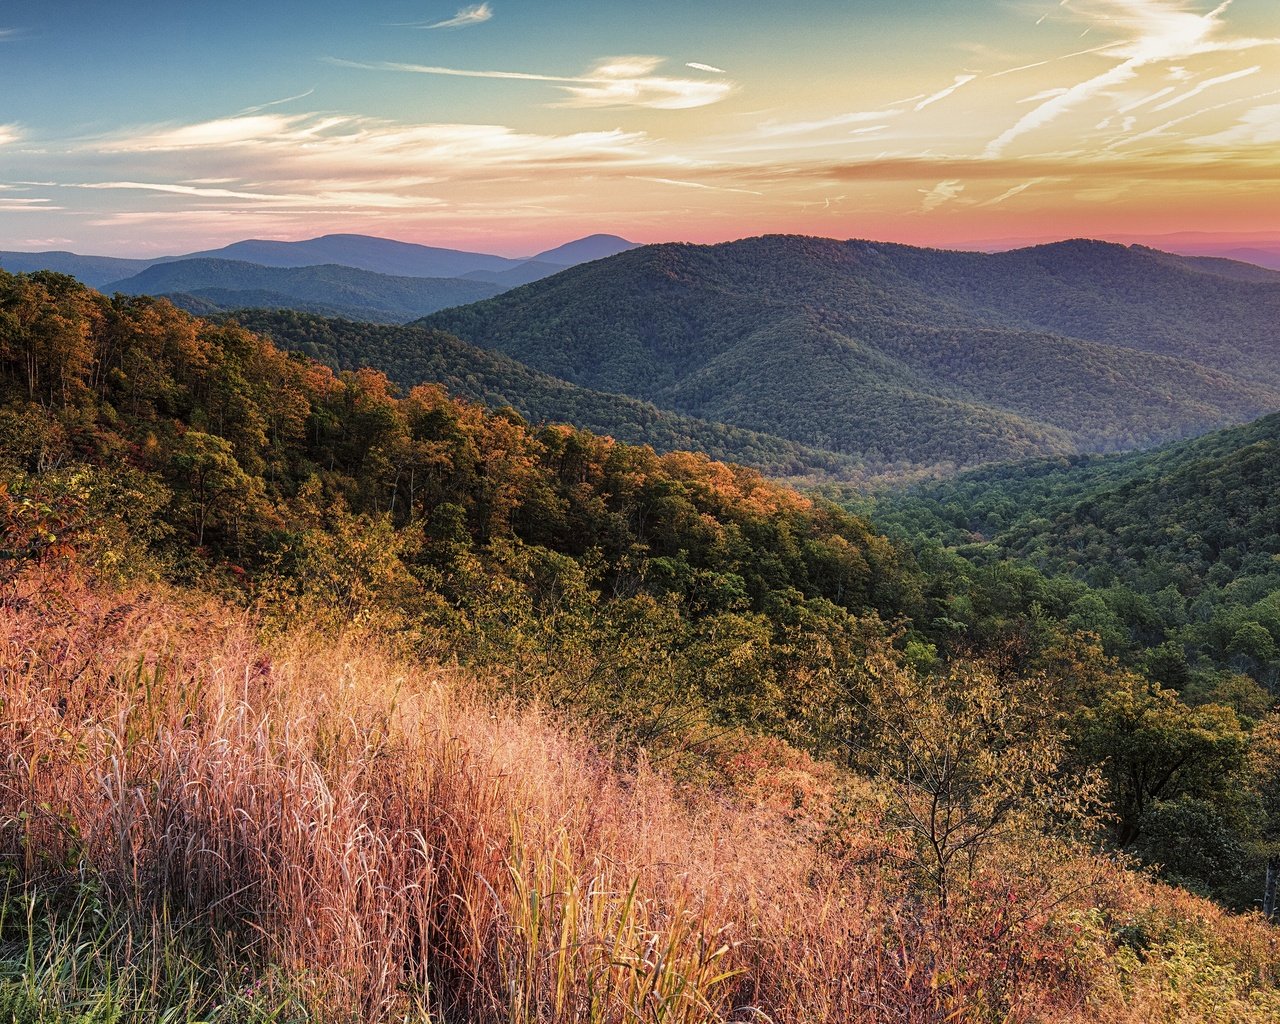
[(95, 271), (906, 357), (232, 284), (412, 355)]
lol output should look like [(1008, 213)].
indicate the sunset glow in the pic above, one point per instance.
[(140, 128)]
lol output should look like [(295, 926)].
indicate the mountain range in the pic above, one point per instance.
[(204, 285), (909, 359), (364, 252), (805, 357)]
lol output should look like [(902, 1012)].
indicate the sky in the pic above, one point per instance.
[(146, 127)]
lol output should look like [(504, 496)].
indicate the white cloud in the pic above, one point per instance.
[(1258, 127), (1045, 94), (9, 133), (1158, 31), (771, 129), (1144, 100), (942, 94), (694, 184), (1162, 129), (473, 15), (611, 82), (1015, 191), (227, 131), (943, 192), (631, 82), (706, 67), (1208, 84)]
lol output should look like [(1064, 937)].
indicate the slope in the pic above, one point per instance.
[(95, 271), (900, 355), (1171, 557), (410, 355)]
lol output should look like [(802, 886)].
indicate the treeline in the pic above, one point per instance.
[(668, 597)]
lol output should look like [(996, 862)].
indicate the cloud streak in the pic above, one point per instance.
[(941, 193), (1208, 84), (612, 82), (1159, 31), (476, 14), (942, 94)]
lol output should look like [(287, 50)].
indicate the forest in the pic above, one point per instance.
[(385, 703), (916, 361)]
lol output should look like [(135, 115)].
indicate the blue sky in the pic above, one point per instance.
[(148, 127)]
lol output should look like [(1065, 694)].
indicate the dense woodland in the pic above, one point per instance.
[(907, 358), (692, 613), (411, 355), (1171, 557)]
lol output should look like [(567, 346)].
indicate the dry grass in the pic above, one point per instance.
[(376, 841)]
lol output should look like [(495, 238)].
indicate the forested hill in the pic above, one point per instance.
[(411, 355), (1179, 548), (1159, 518), (904, 356), (670, 598)]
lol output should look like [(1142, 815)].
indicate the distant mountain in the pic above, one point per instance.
[(1220, 267), (584, 250), (908, 358), (1269, 258), (362, 294), (524, 273), (94, 271), (363, 252), (415, 355)]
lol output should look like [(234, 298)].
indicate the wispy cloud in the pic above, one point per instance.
[(777, 128), (1208, 84), (680, 183), (706, 67), (1017, 190), (941, 193), (632, 82), (473, 15), (611, 82), (1157, 31), (277, 103), (1257, 127), (942, 94), (321, 141), (9, 133)]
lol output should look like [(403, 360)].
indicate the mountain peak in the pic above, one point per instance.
[(583, 250)]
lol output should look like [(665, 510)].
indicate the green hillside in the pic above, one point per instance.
[(905, 357), (668, 599), (410, 355), (1172, 555)]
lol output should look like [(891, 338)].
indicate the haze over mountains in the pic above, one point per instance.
[(363, 277), (206, 284)]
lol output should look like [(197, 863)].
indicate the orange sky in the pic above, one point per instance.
[(489, 128)]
